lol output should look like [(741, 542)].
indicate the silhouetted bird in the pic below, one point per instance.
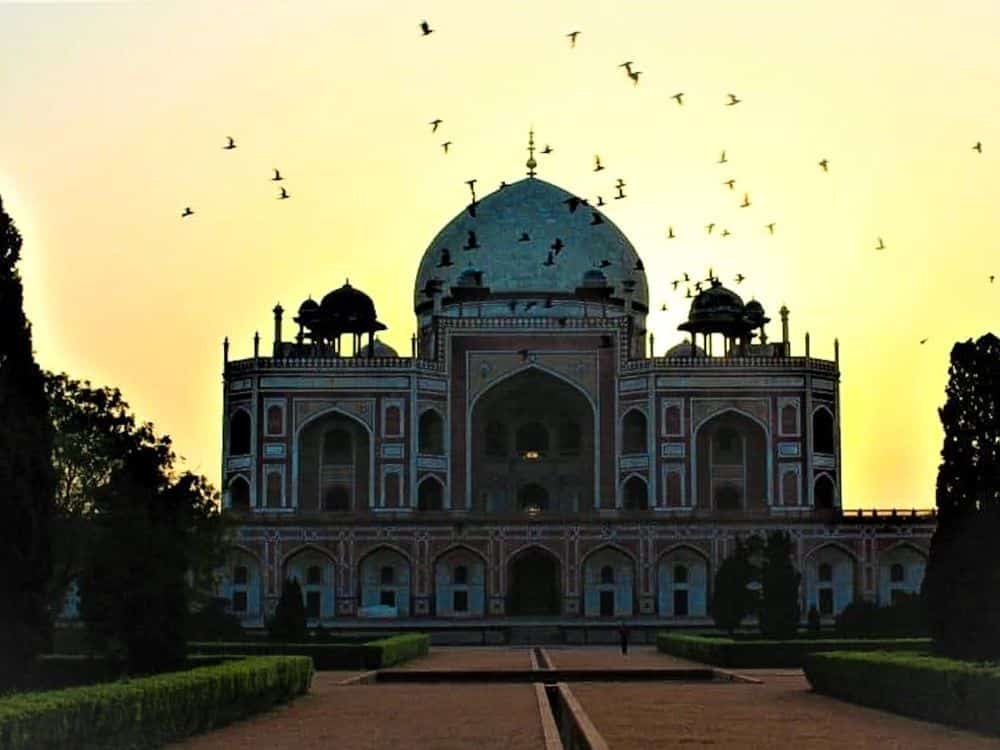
[(502, 185), (471, 243), (686, 277), (688, 295), (697, 286), (670, 233), (731, 184), (471, 208), (188, 212), (978, 147), (739, 278), (825, 164), (924, 341), (600, 201), (434, 124), (595, 218), (880, 245), (733, 100), (663, 308), (726, 233), (573, 202), (638, 265), (597, 163), (445, 258), (548, 260), (722, 158), (634, 75), (557, 245), (675, 283), (547, 150), (620, 187), (679, 97), (709, 227), (445, 146), (627, 65), (284, 195), (472, 188), (277, 176), (770, 227), (426, 28), (231, 145), (604, 263), (572, 38), (746, 201), (991, 278), (524, 237)]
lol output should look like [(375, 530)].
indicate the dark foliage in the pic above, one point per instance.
[(963, 573), (779, 612), (288, 623), (26, 476), (213, 622), (813, 620), (732, 600), (905, 617)]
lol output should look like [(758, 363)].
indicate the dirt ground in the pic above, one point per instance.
[(782, 713), (387, 717), (471, 657), (608, 657)]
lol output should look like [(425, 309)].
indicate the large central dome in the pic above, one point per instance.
[(511, 236)]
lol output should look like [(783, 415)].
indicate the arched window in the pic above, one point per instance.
[(727, 447), (727, 497), (790, 488), (460, 575), (896, 573), (823, 493), (430, 495), (607, 575), (822, 431), (533, 498), (337, 447), (789, 419), (496, 439), (634, 432), (275, 420), (825, 572), (274, 489), (337, 498), (570, 438), (532, 437), (387, 575), (430, 438), (393, 421), (673, 490), (392, 490), (239, 494), (314, 575), (672, 420), (636, 494), (680, 574), (239, 433)]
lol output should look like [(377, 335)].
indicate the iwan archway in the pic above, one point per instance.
[(533, 583)]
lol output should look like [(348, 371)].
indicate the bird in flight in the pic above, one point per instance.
[(825, 164), (697, 286), (726, 232), (445, 258), (991, 278), (731, 184), (597, 163), (426, 28), (231, 145), (472, 243), (639, 265), (722, 158), (620, 187), (277, 176), (678, 97), (708, 228), (502, 185), (188, 212), (524, 237), (557, 245), (284, 195), (634, 75), (547, 150), (548, 261), (572, 38), (445, 146), (739, 278), (472, 188), (595, 218), (434, 124), (978, 147), (746, 201), (675, 283), (670, 233), (688, 295), (733, 100), (627, 65), (600, 200), (686, 277), (770, 227), (880, 245), (924, 341), (663, 308), (573, 202)]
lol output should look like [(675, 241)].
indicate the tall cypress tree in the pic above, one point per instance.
[(962, 583), (779, 603), (27, 480)]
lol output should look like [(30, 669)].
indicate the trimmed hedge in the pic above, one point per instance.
[(57, 671), (750, 653), (374, 654), (933, 688), (150, 711)]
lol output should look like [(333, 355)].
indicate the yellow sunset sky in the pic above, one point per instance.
[(113, 117)]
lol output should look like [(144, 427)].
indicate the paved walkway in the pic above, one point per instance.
[(782, 712)]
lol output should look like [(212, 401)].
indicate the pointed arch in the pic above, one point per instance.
[(634, 428), (607, 581), (293, 501), (632, 499), (459, 595), (823, 429), (682, 581), (430, 493), (696, 458)]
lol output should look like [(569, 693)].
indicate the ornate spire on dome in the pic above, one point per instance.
[(531, 163)]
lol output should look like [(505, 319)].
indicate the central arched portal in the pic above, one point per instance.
[(533, 583), (532, 446)]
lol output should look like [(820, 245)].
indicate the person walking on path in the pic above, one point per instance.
[(623, 637)]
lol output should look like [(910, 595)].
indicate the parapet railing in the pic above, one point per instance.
[(705, 363), (326, 363)]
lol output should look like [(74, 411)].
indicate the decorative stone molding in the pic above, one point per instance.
[(703, 408)]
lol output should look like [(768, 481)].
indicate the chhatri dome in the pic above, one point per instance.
[(509, 239)]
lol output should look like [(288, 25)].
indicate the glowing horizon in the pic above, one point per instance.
[(120, 112)]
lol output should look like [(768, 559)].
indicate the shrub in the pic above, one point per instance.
[(906, 617), (150, 711), (732, 600), (813, 619), (374, 654), (918, 685), (779, 612), (214, 623), (400, 648), (288, 623)]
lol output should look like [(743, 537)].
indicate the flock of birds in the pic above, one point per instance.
[(574, 202)]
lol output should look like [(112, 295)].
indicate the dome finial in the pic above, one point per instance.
[(531, 163)]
